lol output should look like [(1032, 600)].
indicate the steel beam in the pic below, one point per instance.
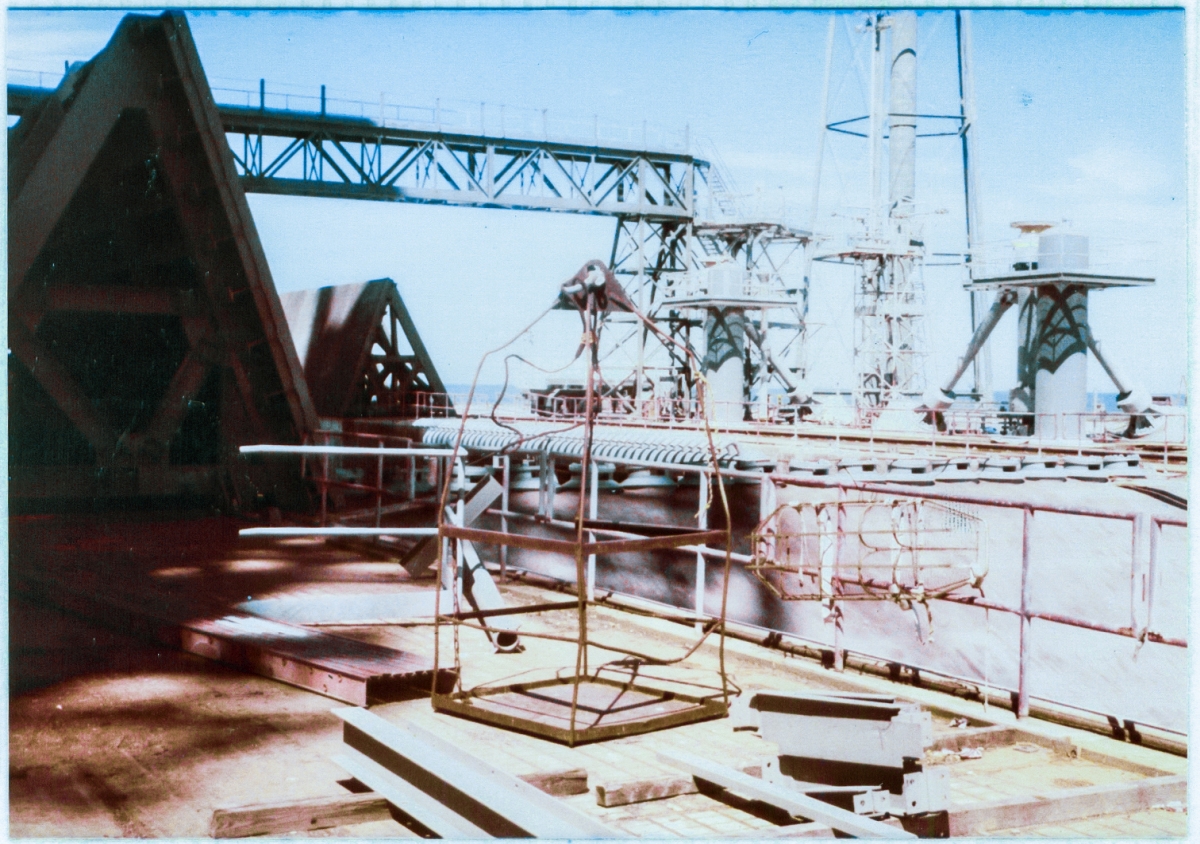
[(312, 154), (793, 802), (409, 799), (499, 804)]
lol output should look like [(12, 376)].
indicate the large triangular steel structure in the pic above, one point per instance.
[(147, 339), (361, 352)]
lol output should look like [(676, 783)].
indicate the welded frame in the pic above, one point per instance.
[(460, 703)]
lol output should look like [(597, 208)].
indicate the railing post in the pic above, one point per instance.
[(702, 524), (1140, 563), (505, 470), (1022, 707), (325, 483), (1152, 572), (839, 653), (379, 489), (593, 512)]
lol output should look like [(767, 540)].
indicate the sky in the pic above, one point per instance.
[(1081, 118)]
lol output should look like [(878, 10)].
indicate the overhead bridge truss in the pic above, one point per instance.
[(354, 158), (312, 154), (322, 155)]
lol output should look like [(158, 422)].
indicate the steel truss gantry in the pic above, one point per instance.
[(298, 153), (663, 266), (309, 154)]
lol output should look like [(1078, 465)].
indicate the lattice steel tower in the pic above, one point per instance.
[(886, 244), (889, 303)]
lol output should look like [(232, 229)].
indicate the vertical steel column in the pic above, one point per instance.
[(489, 175), (641, 290), (839, 653), (1152, 572), (325, 484), (902, 121), (1139, 565), (543, 472), (460, 519), (1022, 707), (379, 489), (701, 524), (505, 463), (593, 512), (982, 364), (878, 115)]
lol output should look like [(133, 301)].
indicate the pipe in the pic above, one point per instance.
[(338, 531), (345, 449), (816, 197), (966, 92), (877, 119), (756, 337), (999, 308), (902, 120), (1094, 345)]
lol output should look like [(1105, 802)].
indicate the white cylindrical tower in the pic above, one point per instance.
[(902, 144)]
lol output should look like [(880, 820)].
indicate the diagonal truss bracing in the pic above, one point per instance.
[(314, 155)]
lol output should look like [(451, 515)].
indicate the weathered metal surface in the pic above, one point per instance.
[(351, 609), (344, 669), (794, 802), (1064, 805), (870, 742), (144, 324), (1117, 610), (410, 800), (336, 330), (605, 708), (498, 803)]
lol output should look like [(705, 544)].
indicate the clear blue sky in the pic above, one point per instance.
[(1081, 117)]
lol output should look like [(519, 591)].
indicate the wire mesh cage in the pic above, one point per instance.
[(900, 549)]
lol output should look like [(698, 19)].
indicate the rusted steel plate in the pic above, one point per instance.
[(605, 709), (345, 669)]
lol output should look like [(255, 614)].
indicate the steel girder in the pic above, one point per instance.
[(142, 314), (363, 355), (310, 154), (319, 155)]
